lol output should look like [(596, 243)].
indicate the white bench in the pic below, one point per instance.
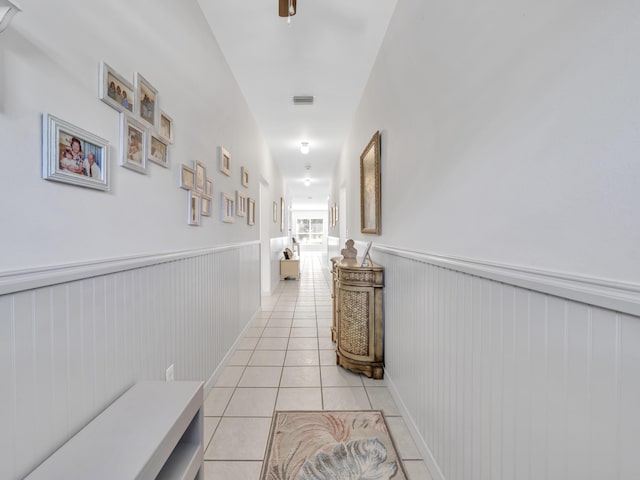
[(153, 431)]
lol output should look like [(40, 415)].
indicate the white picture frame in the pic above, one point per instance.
[(115, 90), (158, 150), (224, 159), (133, 144), (165, 127), (228, 209), (66, 154), (147, 102), (241, 204), (194, 209)]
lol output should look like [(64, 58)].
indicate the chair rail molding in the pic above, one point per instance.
[(610, 294), (20, 280)]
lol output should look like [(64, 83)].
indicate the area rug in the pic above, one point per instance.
[(343, 445)]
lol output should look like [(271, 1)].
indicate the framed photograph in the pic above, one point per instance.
[(194, 209), (241, 204), (245, 177), (133, 144), (187, 178), (251, 213), (73, 155), (201, 176), (225, 161), (331, 224), (282, 214), (115, 90), (165, 128), (146, 101), (275, 212), (228, 208), (370, 187), (336, 215), (208, 187), (206, 201), (158, 151)]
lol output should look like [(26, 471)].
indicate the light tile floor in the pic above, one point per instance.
[(286, 361)]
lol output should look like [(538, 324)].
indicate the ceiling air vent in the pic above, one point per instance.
[(303, 100)]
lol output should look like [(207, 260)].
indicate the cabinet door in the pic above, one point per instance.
[(356, 329)]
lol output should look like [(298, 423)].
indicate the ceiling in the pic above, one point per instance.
[(326, 51)]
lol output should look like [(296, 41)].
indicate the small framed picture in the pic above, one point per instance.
[(331, 224), (225, 161), (165, 129), (187, 178), (158, 151), (228, 208), (206, 205), (282, 214), (115, 90), (241, 204), (201, 176), (73, 155), (208, 187), (275, 212), (245, 177), (194, 209), (146, 101), (251, 213), (133, 144)]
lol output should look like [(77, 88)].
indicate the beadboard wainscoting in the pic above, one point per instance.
[(502, 382), (68, 348), (333, 249)]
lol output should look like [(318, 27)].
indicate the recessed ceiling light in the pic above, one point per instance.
[(307, 182), (304, 148)]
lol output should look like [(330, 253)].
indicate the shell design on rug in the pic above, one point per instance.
[(354, 460)]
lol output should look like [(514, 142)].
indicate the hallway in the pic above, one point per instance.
[(286, 361)]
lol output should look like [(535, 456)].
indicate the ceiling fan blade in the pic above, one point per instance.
[(283, 8)]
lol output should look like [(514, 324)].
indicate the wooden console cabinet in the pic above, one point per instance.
[(358, 317)]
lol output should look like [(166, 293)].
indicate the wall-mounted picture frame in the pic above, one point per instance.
[(370, 206), (275, 212), (241, 204), (207, 202), (194, 211), (201, 176), (282, 214), (224, 159), (115, 90), (331, 224), (336, 214), (165, 127), (146, 101), (158, 150), (73, 155), (133, 144), (187, 177), (245, 177), (251, 212), (208, 187), (228, 208)]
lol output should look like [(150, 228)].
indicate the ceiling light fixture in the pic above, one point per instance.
[(7, 12), (304, 148), (307, 182)]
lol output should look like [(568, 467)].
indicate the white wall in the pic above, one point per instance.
[(72, 338), (510, 133), (49, 60)]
